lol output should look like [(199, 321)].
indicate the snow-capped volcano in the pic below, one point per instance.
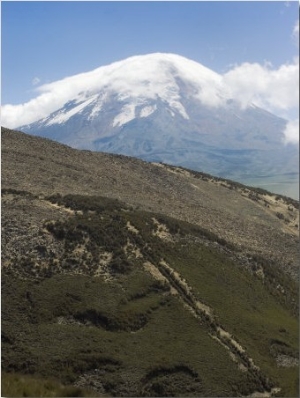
[(164, 107), (140, 80)]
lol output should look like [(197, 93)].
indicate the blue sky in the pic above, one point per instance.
[(46, 41)]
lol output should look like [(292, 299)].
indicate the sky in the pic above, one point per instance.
[(253, 44)]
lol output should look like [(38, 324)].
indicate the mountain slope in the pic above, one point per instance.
[(103, 289), (164, 107), (41, 166)]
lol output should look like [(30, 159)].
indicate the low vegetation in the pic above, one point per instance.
[(20, 385), (88, 315)]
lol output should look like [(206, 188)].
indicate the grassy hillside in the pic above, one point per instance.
[(123, 302), (259, 223)]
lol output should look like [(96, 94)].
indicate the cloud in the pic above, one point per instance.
[(292, 132), (36, 81), (296, 32), (50, 98), (272, 89), (296, 29), (18, 115)]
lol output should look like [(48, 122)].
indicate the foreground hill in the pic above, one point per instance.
[(138, 279), (256, 221)]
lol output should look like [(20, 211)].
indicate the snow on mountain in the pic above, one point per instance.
[(164, 107), (147, 111), (65, 114), (127, 114)]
